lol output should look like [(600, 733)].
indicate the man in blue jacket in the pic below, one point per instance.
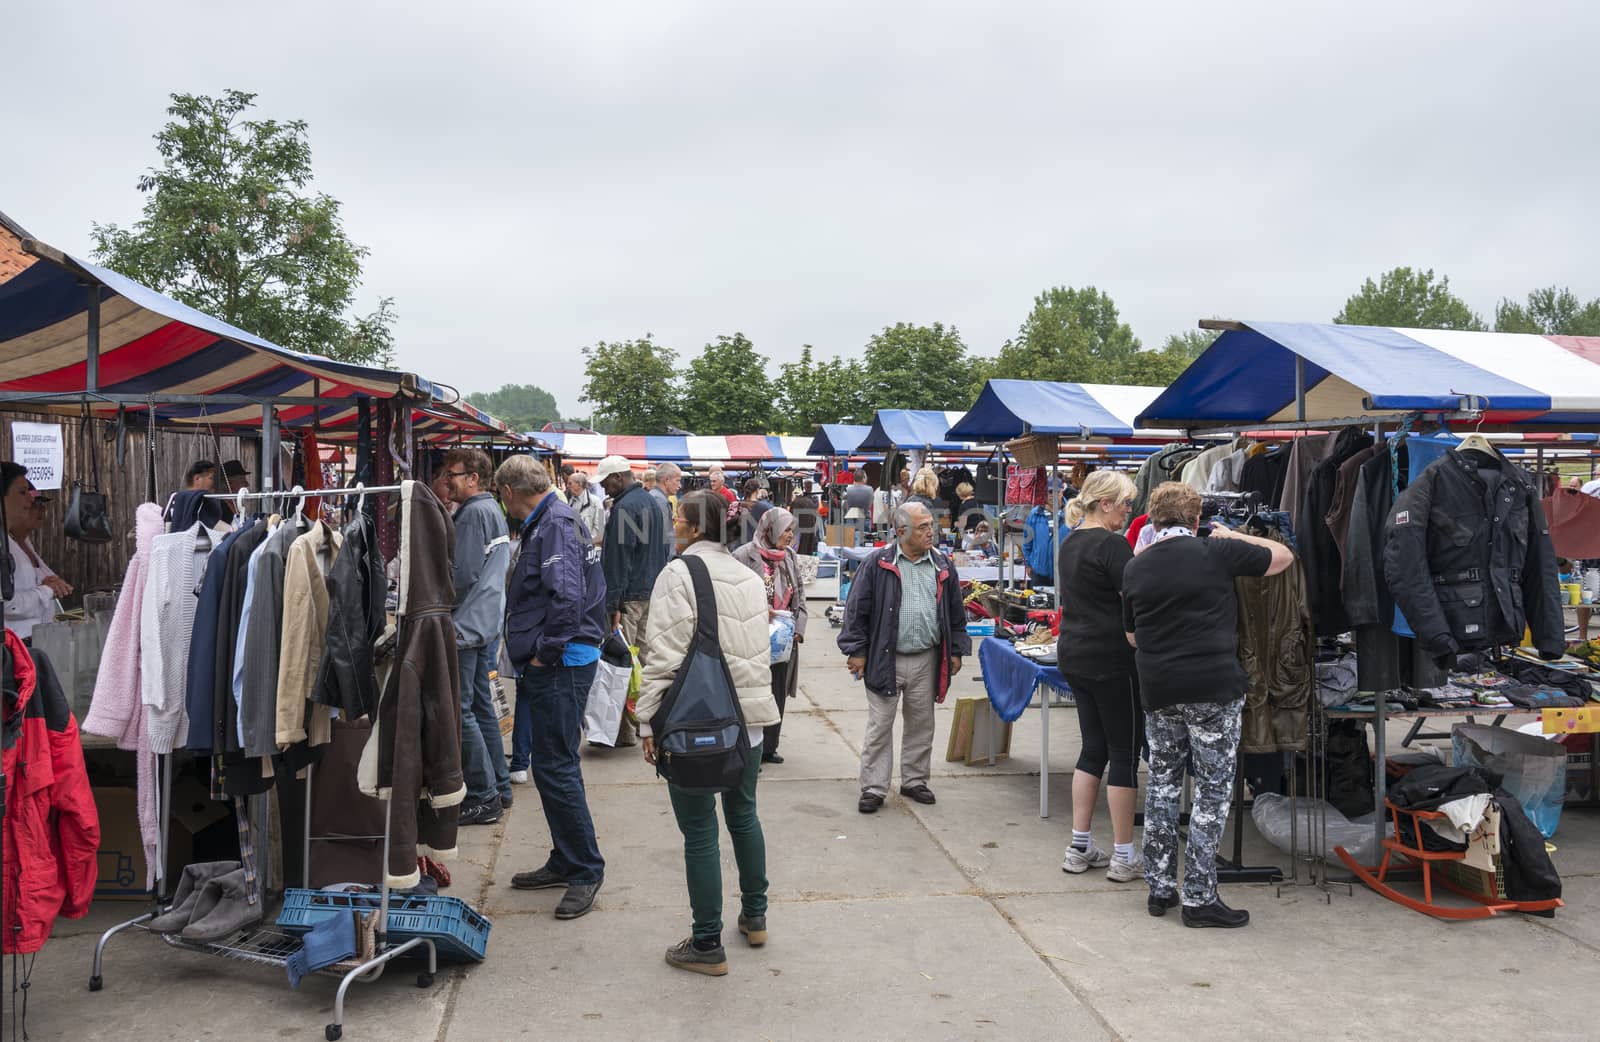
[(905, 633), (555, 624)]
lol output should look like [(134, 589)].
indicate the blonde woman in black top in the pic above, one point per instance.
[(1098, 663)]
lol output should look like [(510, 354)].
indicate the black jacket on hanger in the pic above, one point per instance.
[(356, 589), (1468, 559)]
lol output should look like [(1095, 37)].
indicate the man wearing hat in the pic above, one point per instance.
[(633, 553), (234, 473)]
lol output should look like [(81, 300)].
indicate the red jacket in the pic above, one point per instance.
[(52, 832)]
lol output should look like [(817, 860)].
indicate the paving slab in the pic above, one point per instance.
[(884, 970), (1358, 968), (818, 846)]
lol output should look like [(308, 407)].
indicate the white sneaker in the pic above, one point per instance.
[(1076, 860), (1120, 871), (519, 777)]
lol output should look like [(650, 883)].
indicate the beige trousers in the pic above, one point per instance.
[(916, 680)]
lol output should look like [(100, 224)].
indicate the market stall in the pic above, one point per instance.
[(1435, 622)]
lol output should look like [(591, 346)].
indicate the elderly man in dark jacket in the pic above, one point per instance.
[(905, 633), (555, 624), (634, 552)]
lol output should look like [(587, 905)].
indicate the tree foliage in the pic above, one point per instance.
[(1409, 299), (1551, 311), (1071, 335), (230, 228), (632, 385), (726, 389), (810, 392), (917, 367), (525, 407)]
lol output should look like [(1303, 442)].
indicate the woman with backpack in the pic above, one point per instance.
[(700, 528)]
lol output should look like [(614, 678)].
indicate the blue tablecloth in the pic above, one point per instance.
[(1010, 678)]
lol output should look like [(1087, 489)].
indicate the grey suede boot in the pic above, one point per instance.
[(190, 884), (224, 909)]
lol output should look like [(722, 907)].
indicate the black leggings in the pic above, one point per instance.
[(1113, 727)]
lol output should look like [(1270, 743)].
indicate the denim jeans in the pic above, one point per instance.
[(521, 733), (555, 696), (702, 860), (483, 752)]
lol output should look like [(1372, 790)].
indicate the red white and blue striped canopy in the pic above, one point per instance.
[(660, 448), (1248, 376)]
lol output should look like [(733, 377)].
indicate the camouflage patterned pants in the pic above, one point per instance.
[(1204, 736)]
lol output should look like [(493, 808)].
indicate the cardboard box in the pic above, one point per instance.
[(975, 726), (121, 856)]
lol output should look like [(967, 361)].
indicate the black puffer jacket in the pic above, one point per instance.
[(356, 589), (1467, 557)]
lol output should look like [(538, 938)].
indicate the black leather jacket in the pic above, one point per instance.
[(1467, 557), (356, 589)]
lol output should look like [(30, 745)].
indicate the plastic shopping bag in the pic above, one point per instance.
[(1274, 821), (608, 699), (1531, 768), (781, 631)]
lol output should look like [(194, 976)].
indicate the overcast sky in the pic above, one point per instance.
[(534, 177)]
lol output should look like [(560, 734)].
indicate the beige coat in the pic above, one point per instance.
[(741, 629), (305, 630)]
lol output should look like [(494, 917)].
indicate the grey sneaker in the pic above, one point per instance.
[(1076, 861), (1120, 871), (685, 956)]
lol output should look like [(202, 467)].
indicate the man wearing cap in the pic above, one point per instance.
[(633, 553)]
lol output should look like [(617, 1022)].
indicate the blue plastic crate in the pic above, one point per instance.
[(458, 932)]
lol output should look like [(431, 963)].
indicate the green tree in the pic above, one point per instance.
[(524, 406), (1551, 311), (632, 385), (809, 392), (1190, 344), (917, 367), (726, 389), (230, 228), (1409, 299), (1071, 335)]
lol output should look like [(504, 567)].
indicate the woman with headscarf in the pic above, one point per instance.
[(771, 555)]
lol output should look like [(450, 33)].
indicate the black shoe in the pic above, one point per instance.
[(754, 928), (920, 793), (578, 899), (1157, 906), (542, 878), (1215, 914), (686, 956), (485, 813), (771, 758), (870, 802)]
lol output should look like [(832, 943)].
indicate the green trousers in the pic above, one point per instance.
[(702, 860)]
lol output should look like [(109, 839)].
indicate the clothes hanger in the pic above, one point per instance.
[(1476, 442), (298, 493)]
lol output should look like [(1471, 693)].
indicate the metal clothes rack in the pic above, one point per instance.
[(266, 945)]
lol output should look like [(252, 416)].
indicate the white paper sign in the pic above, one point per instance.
[(37, 446)]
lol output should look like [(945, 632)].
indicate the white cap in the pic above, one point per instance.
[(613, 465)]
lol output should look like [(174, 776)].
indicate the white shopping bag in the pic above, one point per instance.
[(608, 696)]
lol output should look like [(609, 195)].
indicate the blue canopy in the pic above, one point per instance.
[(1248, 376), (913, 429), (1005, 407), (837, 439)]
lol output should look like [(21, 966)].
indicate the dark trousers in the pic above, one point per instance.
[(555, 697), (702, 859), (783, 674), (1112, 725)]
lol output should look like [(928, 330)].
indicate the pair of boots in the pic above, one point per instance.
[(212, 902)]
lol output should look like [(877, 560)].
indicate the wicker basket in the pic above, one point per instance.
[(1036, 450)]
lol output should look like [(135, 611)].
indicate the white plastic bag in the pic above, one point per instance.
[(781, 631), (1357, 836), (608, 695)]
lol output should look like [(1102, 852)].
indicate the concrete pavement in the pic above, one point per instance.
[(946, 922)]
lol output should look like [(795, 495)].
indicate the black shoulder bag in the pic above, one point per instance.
[(88, 514), (701, 746)]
